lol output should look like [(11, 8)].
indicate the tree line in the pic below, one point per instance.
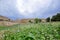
[(54, 18)]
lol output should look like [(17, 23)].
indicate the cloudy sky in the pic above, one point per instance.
[(16, 9)]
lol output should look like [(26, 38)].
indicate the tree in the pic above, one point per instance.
[(48, 19), (53, 18), (37, 20), (56, 17), (30, 21)]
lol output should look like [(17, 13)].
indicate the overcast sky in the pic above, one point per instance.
[(15, 9)]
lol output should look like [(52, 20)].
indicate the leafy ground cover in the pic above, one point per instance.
[(39, 31)]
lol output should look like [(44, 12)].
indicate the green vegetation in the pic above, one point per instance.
[(39, 31), (48, 19), (54, 18), (30, 21), (37, 20)]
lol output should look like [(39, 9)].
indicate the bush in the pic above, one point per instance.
[(30, 21), (56, 17), (37, 20), (48, 19)]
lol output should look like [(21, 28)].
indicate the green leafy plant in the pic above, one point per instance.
[(39, 31)]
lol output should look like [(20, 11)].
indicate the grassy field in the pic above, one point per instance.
[(39, 31)]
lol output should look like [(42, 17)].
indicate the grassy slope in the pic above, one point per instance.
[(40, 31)]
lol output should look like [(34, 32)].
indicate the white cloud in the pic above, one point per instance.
[(29, 7), (54, 5)]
